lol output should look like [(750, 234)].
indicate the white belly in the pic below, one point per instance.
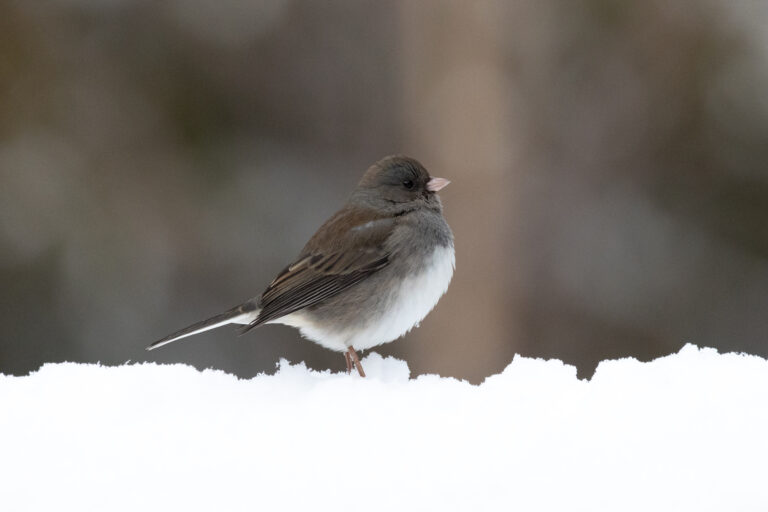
[(408, 306)]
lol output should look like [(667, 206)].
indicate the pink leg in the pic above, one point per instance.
[(351, 353)]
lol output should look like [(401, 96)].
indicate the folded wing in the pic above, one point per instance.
[(348, 249)]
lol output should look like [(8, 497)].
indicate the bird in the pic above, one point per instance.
[(370, 273)]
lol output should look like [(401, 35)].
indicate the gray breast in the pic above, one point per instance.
[(390, 302)]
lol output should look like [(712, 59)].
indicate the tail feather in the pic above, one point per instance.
[(242, 314)]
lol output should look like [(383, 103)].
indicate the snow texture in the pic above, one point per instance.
[(684, 432)]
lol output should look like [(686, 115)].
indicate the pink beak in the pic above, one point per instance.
[(436, 184)]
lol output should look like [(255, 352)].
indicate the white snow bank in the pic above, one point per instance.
[(685, 432)]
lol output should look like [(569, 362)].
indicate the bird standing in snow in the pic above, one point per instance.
[(369, 274)]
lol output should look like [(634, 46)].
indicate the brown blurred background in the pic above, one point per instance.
[(160, 161)]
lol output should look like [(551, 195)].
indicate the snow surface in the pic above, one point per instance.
[(684, 432)]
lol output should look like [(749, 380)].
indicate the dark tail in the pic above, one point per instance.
[(242, 314)]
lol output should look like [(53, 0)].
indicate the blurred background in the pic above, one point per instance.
[(161, 161)]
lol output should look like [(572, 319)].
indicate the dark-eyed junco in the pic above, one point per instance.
[(368, 276)]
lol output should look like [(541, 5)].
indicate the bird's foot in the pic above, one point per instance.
[(351, 356)]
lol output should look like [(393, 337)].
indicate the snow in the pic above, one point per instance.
[(684, 432)]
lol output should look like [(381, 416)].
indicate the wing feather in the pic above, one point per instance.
[(347, 249)]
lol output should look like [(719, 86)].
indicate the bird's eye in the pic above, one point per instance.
[(408, 184)]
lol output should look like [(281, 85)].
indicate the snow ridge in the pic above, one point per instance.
[(683, 432)]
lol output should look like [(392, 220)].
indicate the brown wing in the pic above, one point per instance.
[(344, 251)]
